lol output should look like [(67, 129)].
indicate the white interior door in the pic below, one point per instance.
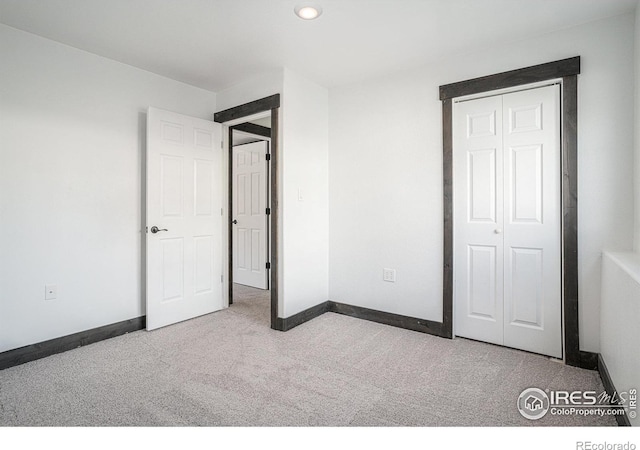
[(250, 244), (533, 223), (507, 232), (478, 219), (184, 223)]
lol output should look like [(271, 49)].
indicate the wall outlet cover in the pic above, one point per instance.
[(50, 292), (389, 275)]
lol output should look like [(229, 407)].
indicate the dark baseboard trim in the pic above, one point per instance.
[(623, 420), (32, 352), (588, 360), (395, 320), (10, 358), (304, 316), (581, 359)]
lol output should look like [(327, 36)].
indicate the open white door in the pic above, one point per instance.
[(249, 173), (184, 222)]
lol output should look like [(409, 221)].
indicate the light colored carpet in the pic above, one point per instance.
[(230, 369)]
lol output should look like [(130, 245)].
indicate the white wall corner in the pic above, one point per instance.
[(620, 313), (305, 193)]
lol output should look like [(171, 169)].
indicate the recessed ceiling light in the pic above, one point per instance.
[(308, 12)]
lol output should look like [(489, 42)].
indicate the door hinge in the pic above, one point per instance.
[(268, 155), (146, 229), (222, 211), (221, 144), (268, 211), (268, 265), (221, 279)]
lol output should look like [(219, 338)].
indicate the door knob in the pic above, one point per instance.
[(155, 229), (498, 230), (234, 221)]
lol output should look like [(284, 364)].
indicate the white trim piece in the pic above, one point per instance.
[(627, 261), (524, 87)]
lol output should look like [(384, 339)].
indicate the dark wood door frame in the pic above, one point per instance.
[(272, 104), (252, 128), (567, 70)]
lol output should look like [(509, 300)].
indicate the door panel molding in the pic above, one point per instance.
[(567, 70)]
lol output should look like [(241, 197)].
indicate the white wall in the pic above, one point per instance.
[(620, 299), (385, 170), (304, 169), (72, 129), (620, 333), (254, 88), (385, 189)]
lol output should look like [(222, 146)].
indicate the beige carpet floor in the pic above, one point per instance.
[(230, 369)]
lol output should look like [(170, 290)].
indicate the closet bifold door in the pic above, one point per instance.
[(507, 220), (478, 214), (533, 225)]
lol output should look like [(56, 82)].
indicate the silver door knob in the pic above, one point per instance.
[(498, 230), (155, 229)]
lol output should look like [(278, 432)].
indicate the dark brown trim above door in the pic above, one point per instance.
[(252, 128), (272, 104), (567, 70), (533, 74), (248, 109)]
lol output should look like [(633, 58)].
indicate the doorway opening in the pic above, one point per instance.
[(247, 124), (250, 156)]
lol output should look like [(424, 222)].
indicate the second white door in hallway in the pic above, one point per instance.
[(250, 239)]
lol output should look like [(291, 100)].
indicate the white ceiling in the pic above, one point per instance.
[(215, 44)]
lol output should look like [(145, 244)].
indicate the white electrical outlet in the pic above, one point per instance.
[(389, 275), (50, 292)]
